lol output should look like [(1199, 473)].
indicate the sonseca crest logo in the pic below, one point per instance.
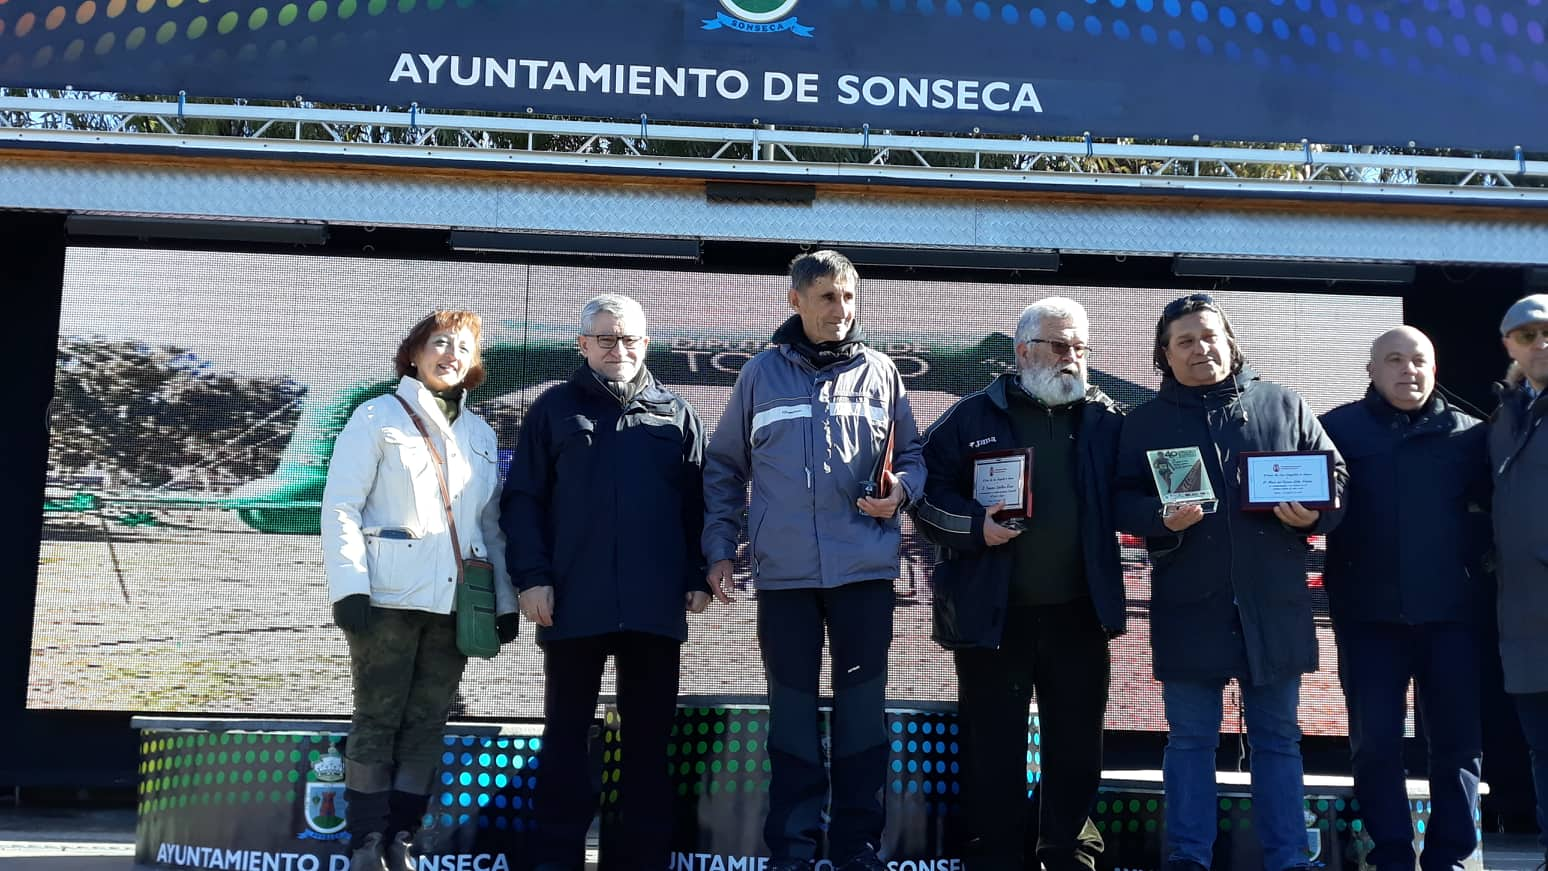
[(758, 16), (322, 805)]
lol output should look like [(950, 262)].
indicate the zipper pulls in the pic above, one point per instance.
[(808, 477)]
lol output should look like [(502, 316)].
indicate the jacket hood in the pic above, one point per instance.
[(1515, 378), (792, 333)]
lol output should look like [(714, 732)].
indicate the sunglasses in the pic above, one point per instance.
[(1528, 338), (1062, 348), (1176, 307)]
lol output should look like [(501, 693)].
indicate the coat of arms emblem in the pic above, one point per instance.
[(323, 803), (758, 16)]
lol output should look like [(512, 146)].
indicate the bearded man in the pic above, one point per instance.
[(1028, 590)]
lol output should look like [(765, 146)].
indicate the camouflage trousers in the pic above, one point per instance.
[(405, 669)]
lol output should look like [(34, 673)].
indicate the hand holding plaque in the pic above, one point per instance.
[(1004, 477), (1181, 479), (881, 496), (879, 486)]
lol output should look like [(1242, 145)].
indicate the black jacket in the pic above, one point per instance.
[(1410, 547), (1518, 449), (972, 581), (605, 502), (1228, 595)]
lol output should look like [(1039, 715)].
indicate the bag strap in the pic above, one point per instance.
[(440, 478)]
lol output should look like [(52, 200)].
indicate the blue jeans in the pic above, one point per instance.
[(1193, 721), (1532, 708)]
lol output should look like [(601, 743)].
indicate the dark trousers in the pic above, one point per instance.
[(1058, 652), (858, 619), (565, 800), (1532, 708), (405, 668), (1375, 663)]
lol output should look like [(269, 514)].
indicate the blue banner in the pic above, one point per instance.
[(1436, 73)]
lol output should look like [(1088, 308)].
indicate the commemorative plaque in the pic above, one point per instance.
[(878, 487), (1272, 477), (1182, 480), (1004, 476)]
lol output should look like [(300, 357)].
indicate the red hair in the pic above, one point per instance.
[(435, 322)]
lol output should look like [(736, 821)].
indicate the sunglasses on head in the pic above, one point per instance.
[(1175, 307)]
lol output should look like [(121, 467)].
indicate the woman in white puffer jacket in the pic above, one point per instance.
[(392, 575)]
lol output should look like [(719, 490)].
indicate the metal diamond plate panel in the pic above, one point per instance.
[(588, 205), (1190, 229)]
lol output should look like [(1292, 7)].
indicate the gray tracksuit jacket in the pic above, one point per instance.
[(808, 439)]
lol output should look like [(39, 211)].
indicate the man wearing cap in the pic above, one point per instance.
[(1229, 598), (1518, 452), (1403, 581)]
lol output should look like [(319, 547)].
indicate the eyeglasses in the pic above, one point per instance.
[(1062, 348), (1174, 309), (1528, 338), (608, 341)]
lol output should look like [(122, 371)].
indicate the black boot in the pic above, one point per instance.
[(406, 811), (365, 814)]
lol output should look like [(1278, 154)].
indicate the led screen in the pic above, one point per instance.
[(197, 395)]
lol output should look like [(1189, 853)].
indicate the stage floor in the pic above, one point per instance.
[(103, 840)]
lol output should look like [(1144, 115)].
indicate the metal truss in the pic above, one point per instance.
[(533, 143)]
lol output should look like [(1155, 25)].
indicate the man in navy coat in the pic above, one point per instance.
[(602, 512), (1403, 581), (1229, 598)]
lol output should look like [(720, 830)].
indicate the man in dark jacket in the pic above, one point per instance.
[(590, 450), (808, 425), (1400, 578), (1029, 606), (1228, 589), (1518, 453)]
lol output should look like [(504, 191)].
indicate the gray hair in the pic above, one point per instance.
[(616, 304), (809, 268), (1062, 308)]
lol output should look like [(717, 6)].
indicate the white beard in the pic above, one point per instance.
[(1052, 387)]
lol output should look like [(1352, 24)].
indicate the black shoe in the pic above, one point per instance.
[(399, 855), (367, 856), (865, 860)]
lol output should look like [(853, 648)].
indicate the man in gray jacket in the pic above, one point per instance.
[(809, 424), (1518, 451)]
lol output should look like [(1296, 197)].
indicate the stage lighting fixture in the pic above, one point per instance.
[(1006, 260), (496, 242), (145, 229)]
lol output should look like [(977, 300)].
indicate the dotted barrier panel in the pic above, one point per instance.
[(720, 776), (252, 800), (246, 801), (1131, 819), (720, 780)]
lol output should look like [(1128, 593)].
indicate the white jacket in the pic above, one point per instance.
[(381, 478)]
